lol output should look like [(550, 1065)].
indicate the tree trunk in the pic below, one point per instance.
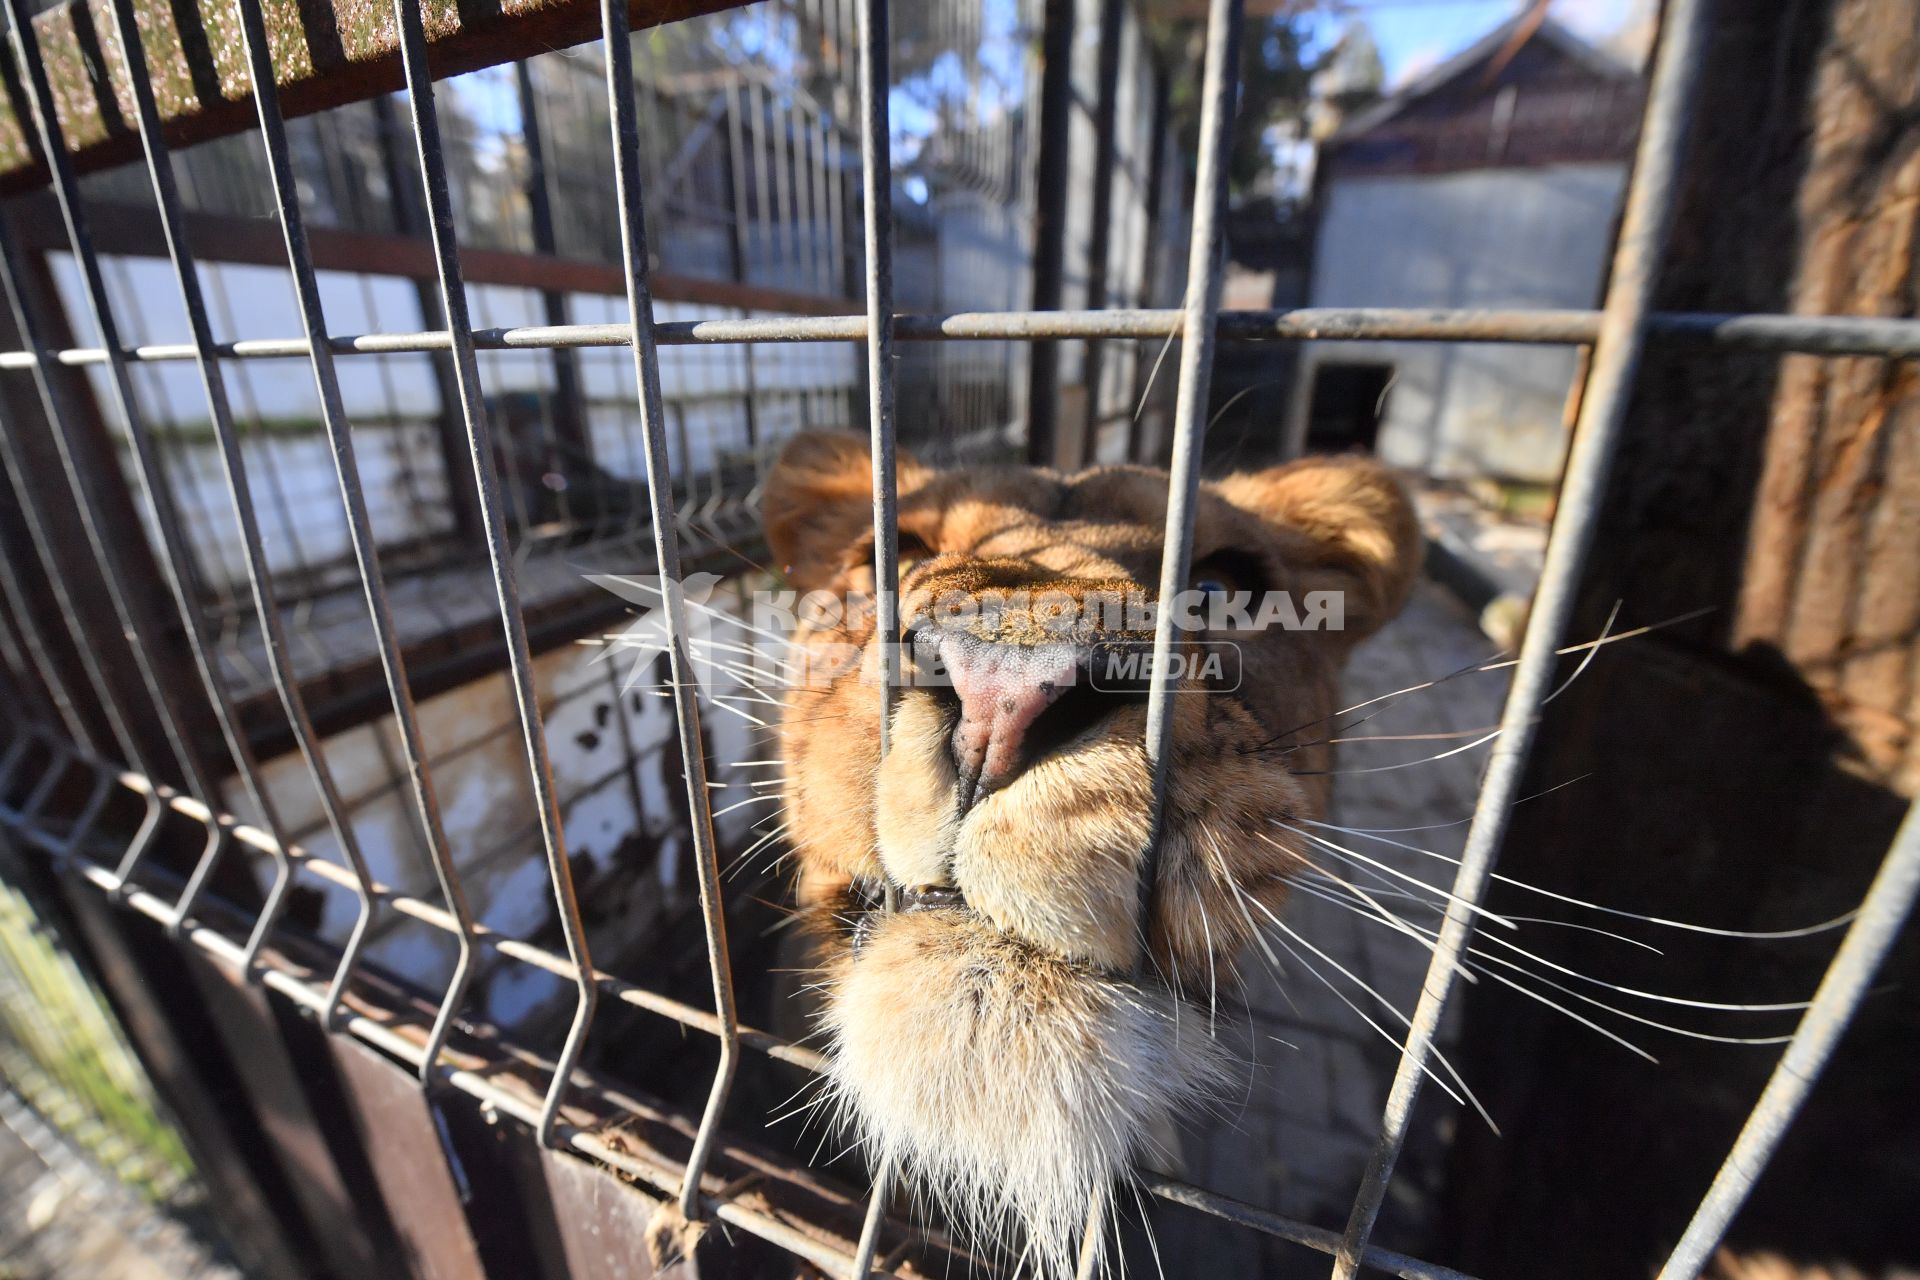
[(1744, 770)]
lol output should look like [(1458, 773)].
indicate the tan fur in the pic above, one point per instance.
[(1006, 1057)]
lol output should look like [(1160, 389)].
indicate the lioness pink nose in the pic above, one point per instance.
[(1002, 691)]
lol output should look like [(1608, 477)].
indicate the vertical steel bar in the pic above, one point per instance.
[(836, 212), (1100, 237), (1200, 312), (759, 108), (1616, 355), (786, 216), (250, 411), (453, 298), (1888, 904), (266, 603), (290, 527), (34, 649), (333, 418), (736, 180), (396, 418), (1150, 251), (570, 419), (877, 176), (153, 482), (184, 470), (876, 172), (1055, 144), (52, 689), (666, 547), (869, 1244), (28, 668), (817, 223), (410, 220)]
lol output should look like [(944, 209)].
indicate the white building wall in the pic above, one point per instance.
[(1492, 238)]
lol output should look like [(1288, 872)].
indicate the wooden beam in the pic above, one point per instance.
[(325, 53), (132, 231)]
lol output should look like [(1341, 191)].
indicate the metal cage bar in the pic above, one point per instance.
[(36, 658), (453, 300), (480, 1086), (333, 419), (175, 565), (1197, 333), (29, 642), (1807, 335), (877, 226), (111, 564), (666, 548)]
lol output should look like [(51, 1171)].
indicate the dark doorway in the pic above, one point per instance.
[(1348, 403)]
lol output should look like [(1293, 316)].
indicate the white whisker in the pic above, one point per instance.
[(1363, 859), (1384, 1034), (1824, 926), (741, 804)]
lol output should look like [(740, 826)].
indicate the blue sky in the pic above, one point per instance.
[(1414, 35)]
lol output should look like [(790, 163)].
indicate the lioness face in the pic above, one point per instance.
[(998, 1038)]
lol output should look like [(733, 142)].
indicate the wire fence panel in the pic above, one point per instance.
[(520, 430)]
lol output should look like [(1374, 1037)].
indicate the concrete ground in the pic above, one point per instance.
[(1297, 1142), (62, 1219)]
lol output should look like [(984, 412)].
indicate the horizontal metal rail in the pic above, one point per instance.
[(122, 230), (1805, 335), (434, 916)]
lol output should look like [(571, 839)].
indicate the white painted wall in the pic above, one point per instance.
[(391, 400), (612, 787), (1491, 238)]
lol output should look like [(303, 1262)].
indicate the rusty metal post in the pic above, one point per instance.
[(1055, 142)]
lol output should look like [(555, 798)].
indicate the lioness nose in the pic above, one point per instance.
[(1003, 691)]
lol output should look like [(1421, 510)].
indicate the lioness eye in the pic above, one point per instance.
[(912, 550), (1225, 572)]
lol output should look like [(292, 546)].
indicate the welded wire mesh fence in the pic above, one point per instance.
[(108, 749)]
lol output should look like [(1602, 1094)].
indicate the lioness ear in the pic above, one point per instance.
[(818, 501), (1348, 526)]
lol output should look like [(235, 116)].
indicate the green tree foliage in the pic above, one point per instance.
[(1279, 75)]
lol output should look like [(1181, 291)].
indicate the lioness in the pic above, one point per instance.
[(994, 1040)]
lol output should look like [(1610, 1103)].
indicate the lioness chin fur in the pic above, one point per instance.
[(1013, 1086)]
